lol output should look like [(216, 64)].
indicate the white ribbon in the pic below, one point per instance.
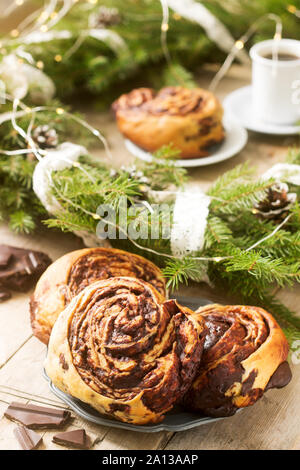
[(111, 38), (189, 221), (62, 157), (56, 160), (37, 36), (215, 30), (284, 171), (21, 79)]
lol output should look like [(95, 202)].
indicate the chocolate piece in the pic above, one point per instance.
[(77, 438), (36, 417), (20, 268), (281, 377), (27, 439), (4, 295), (5, 255)]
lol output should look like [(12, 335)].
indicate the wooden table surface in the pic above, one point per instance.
[(273, 423)]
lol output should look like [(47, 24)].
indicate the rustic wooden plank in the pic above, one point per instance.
[(24, 372), (14, 314), (272, 423), (117, 439)]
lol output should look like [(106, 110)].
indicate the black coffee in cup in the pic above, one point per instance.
[(280, 56)]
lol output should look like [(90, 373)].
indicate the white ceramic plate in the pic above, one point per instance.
[(238, 104), (235, 139)]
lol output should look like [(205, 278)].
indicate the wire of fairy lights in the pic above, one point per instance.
[(240, 44), (40, 153), (26, 110), (46, 18), (164, 30), (294, 10)]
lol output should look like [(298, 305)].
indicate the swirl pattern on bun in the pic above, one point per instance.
[(190, 119), (244, 355), (121, 348), (71, 273)]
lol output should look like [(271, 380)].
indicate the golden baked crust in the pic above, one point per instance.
[(121, 348), (244, 355), (190, 119), (68, 275)]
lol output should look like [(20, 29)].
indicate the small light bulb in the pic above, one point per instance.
[(40, 64), (239, 44), (44, 28), (14, 33), (60, 111), (58, 58), (217, 259), (176, 16), (164, 27), (44, 15), (53, 15), (96, 133), (96, 217), (291, 8)]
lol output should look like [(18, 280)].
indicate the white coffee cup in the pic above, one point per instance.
[(274, 82)]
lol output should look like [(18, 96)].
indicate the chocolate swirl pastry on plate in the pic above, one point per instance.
[(121, 348), (245, 354), (71, 273), (190, 119)]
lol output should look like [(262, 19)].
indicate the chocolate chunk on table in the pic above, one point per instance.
[(20, 268), (77, 438), (27, 438), (4, 295), (37, 417)]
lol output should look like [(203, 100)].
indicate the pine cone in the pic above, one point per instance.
[(105, 17), (277, 203), (45, 137)]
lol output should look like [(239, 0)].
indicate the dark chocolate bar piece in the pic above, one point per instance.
[(37, 417), (77, 438), (5, 255), (27, 438), (20, 268), (4, 295)]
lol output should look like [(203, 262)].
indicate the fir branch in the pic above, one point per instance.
[(20, 222), (217, 231), (230, 178), (240, 197), (175, 75), (178, 271)]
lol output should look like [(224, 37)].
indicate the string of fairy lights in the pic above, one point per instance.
[(45, 19)]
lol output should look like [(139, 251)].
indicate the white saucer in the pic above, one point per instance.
[(238, 104), (235, 139)]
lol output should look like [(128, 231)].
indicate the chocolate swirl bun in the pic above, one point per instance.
[(245, 354), (190, 119), (124, 350), (70, 274)]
